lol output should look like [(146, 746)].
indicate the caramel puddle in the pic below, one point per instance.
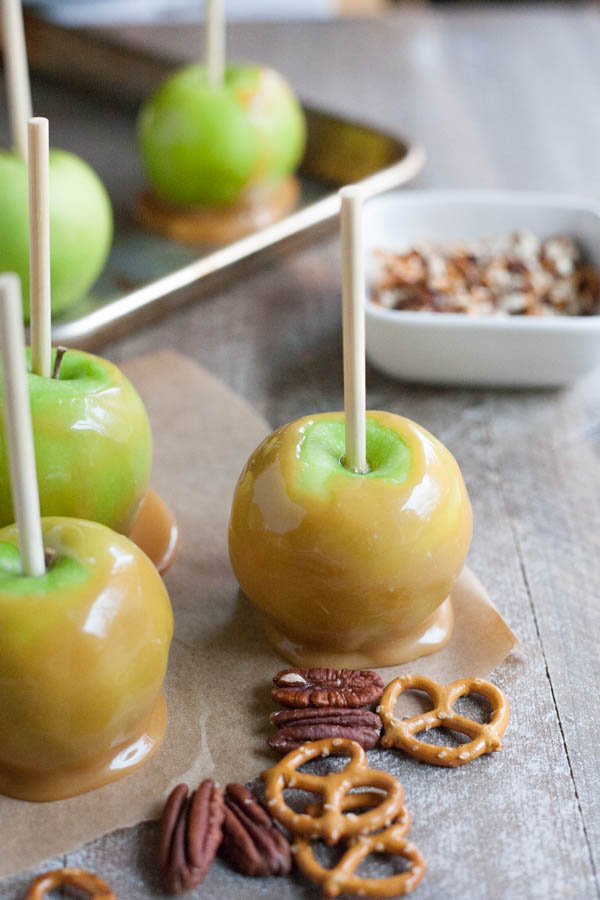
[(428, 637), (68, 781), (155, 531), (258, 208)]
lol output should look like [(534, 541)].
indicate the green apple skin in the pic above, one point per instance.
[(93, 444), (83, 648), (347, 565), (81, 226), (204, 146)]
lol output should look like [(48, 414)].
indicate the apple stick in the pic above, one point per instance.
[(18, 427), (39, 247), (17, 73), (353, 318), (214, 42)]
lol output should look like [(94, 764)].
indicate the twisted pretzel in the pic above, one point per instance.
[(78, 878), (363, 799), (331, 824), (342, 878), (485, 737)]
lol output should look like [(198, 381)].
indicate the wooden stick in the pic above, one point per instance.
[(17, 73), (39, 247), (353, 318), (18, 427), (214, 42)]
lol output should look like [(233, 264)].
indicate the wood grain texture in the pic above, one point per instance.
[(501, 98)]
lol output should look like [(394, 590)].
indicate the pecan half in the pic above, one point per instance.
[(300, 688), (190, 834), (252, 844), (300, 725)]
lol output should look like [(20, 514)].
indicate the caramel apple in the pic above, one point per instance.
[(85, 625), (219, 144), (83, 654), (351, 569), (93, 444)]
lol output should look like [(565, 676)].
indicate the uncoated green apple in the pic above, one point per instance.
[(81, 225)]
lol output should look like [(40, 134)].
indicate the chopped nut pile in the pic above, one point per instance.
[(514, 275)]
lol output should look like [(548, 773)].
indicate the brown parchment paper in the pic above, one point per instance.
[(220, 669)]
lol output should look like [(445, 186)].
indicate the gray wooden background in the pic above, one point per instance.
[(501, 98)]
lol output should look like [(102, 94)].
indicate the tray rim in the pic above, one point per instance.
[(95, 327), (160, 295)]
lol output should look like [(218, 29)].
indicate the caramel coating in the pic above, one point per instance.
[(83, 654), (352, 574)]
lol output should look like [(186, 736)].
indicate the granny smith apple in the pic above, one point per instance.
[(81, 225), (83, 655), (343, 565), (93, 445), (205, 145)]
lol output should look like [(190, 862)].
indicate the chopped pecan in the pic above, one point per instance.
[(190, 834), (300, 725), (300, 688), (252, 844)]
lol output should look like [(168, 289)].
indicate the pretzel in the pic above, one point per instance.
[(400, 733), (363, 799), (331, 824), (78, 878), (342, 878)]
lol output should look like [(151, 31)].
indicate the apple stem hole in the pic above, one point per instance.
[(60, 352), (49, 556), (356, 470)]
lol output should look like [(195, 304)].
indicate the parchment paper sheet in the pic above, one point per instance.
[(218, 685)]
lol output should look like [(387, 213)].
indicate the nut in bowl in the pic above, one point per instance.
[(461, 348)]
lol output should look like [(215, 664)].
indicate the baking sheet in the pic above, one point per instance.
[(146, 275)]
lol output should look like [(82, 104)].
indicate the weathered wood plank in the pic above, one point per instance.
[(549, 468)]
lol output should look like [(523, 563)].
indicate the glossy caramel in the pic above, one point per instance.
[(256, 209), (353, 575), (155, 531), (83, 655), (110, 765)]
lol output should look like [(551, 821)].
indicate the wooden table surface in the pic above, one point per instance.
[(501, 98)]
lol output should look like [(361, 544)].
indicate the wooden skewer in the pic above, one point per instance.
[(39, 247), (353, 318), (214, 42), (17, 73), (19, 431)]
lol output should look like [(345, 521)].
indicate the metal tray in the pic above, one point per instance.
[(146, 275)]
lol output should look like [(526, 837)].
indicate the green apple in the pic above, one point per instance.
[(205, 145), (93, 445), (349, 568), (81, 225), (83, 654)]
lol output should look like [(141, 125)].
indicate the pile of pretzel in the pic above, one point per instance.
[(360, 809)]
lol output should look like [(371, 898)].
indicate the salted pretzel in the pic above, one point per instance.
[(485, 737), (342, 878), (77, 878), (366, 799), (330, 823)]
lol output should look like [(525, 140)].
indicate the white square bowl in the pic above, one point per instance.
[(456, 348)]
